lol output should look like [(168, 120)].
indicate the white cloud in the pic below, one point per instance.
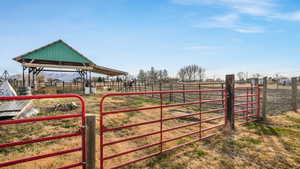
[(231, 22), (293, 16), (262, 8), (252, 7), (250, 30), (202, 47)]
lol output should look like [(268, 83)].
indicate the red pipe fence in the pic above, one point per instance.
[(244, 107), (80, 132), (247, 104), (104, 128)]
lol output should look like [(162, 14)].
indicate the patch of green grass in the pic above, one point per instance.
[(181, 141), (235, 144), (132, 113), (262, 129), (68, 124), (145, 99), (199, 152), (293, 119), (226, 164), (251, 140), (297, 160), (163, 161), (157, 160), (228, 146)]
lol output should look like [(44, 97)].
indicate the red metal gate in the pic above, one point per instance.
[(247, 104), (81, 131), (199, 131)]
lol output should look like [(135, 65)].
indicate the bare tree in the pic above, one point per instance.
[(191, 72), (165, 74), (152, 74), (256, 75), (160, 75), (182, 74), (142, 75), (201, 74), (241, 76)]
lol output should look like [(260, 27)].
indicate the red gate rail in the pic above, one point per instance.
[(80, 132), (250, 97), (160, 122)]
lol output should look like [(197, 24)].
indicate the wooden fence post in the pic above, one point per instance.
[(229, 124), (294, 94), (222, 95), (90, 141), (264, 101)]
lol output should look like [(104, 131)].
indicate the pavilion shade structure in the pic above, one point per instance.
[(62, 56), (57, 52), (59, 56)]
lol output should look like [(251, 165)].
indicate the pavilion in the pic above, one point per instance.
[(58, 56)]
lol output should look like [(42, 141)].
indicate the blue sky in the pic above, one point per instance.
[(223, 36)]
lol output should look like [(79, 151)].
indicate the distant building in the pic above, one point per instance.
[(284, 81)]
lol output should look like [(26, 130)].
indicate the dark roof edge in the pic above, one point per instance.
[(110, 70)]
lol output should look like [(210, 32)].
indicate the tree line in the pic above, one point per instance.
[(187, 73), (153, 75)]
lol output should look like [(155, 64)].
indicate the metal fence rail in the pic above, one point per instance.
[(80, 132), (247, 104), (160, 122)]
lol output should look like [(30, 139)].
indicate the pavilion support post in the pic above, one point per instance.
[(86, 78), (23, 78), (90, 82), (28, 83), (83, 79), (34, 74)]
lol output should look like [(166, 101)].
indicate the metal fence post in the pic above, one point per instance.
[(257, 99), (200, 110), (294, 94), (183, 94), (264, 102), (161, 122), (152, 88), (229, 124), (91, 141), (160, 86), (171, 94)]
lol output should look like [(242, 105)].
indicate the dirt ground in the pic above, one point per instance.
[(272, 144)]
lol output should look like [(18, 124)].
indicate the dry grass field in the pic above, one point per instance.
[(275, 143)]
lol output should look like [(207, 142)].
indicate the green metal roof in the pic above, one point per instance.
[(56, 51), (62, 56)]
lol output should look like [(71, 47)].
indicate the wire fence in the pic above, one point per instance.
[(279, 94)]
